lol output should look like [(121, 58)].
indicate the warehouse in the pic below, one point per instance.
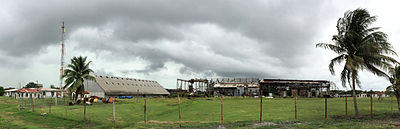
[(108, 86), (287, 87)]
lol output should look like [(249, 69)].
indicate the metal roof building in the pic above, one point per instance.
[(105, 86)]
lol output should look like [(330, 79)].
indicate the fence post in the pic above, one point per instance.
[(222, 112), (179, 109), (295, 108), (346, 107), (145, 113), (65, 104), (114, 110), (56, 100), (326, 107), (33, 103), (43, 99), (84, 107), (260, 105), (19, 104), (50, 104), (371, 107)]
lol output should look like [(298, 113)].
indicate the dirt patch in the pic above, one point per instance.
[(161, 122), (167, 122), (9, 113), (344, 117), (116, 119), (263, 124)]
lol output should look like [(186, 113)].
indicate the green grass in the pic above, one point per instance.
[(201, 113)]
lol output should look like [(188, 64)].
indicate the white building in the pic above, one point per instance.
[(11, 93)]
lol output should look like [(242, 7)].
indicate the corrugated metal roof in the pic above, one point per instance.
[(129, 86), (232, 85)]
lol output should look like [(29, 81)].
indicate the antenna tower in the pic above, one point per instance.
[(62, 54)]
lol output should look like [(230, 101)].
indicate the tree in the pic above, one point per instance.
[(395, 84), (360, 47), (76, 73), (53, 87), (1, 91), (31, 85)]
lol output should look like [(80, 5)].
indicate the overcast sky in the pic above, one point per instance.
[(164, 40)]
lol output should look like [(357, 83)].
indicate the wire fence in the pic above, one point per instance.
[(218, 109)]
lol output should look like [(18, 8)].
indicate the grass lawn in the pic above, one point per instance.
[(203, 113)]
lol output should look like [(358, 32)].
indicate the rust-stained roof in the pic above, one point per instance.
[(239, 84)]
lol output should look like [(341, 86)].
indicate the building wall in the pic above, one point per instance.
[(94, 89), (44, 94)]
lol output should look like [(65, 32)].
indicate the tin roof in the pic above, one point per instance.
[(28, 90), (129, 86), (238, 84)]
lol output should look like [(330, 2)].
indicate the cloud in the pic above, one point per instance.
[(176, 39)]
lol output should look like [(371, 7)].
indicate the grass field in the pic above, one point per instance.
[(203, 113)]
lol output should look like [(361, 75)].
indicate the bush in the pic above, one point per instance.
[(1, 91)]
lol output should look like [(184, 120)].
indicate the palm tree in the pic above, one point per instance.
[(395, 80), (360, 47), (76, 73)]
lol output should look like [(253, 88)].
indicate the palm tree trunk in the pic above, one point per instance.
[(354, 98)]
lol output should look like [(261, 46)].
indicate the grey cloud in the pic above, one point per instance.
[(280, 30)]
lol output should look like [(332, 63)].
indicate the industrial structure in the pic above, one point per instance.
[(193, 85), (62, 55), (108, 86), (253, 86), (288, 87), (236, 86)]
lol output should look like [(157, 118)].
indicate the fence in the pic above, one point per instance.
[(220, 109)]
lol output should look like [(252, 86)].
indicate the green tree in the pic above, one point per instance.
[(1, 91), (395, 84), (76, 73), (53, 87), (360, 47), (31, 85)]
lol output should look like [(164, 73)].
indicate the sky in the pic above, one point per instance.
[(164, 40)]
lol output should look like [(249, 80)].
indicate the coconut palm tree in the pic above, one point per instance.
[(395, 84), (359, 47), (76, 73)]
